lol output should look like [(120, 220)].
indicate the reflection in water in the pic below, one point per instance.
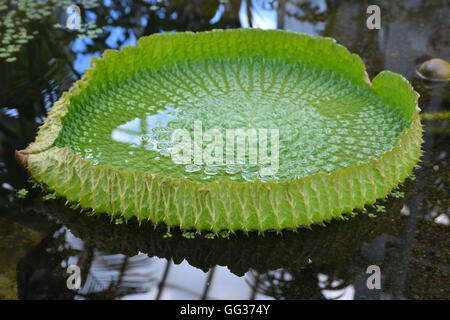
[(409, 241), (144, 132), (323, 263)]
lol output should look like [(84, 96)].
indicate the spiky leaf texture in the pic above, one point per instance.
[(345, 141)]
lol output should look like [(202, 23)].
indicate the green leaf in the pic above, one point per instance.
[(343, 142)]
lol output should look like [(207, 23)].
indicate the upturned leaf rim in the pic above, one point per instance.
[(226, 204)]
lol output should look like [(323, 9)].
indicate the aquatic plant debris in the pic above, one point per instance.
[(17, 28), (444, 115), (344, 141), (22, 193)]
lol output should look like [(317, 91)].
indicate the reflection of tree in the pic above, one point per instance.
[(405, 27), (414, 249), (23, 239), (28, 87), (140, 18), (301, 283), (287, 266), (45, 65), (115, 276), (329, 248), (42, 272), (343, 20), (413, 255)]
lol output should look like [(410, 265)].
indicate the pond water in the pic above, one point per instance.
[(406, 235)]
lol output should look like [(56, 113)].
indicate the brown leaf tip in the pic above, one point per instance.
[(22, 157)]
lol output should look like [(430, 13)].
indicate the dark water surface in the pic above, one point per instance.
[(40, 238)]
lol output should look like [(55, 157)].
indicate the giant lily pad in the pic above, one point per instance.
[(343, 141)]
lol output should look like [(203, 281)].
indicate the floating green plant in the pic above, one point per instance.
[(167, 235), (16, 24), (398, 194), (49, 196), (344, 141), (189, 235), (22, 193), (209, 235)]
